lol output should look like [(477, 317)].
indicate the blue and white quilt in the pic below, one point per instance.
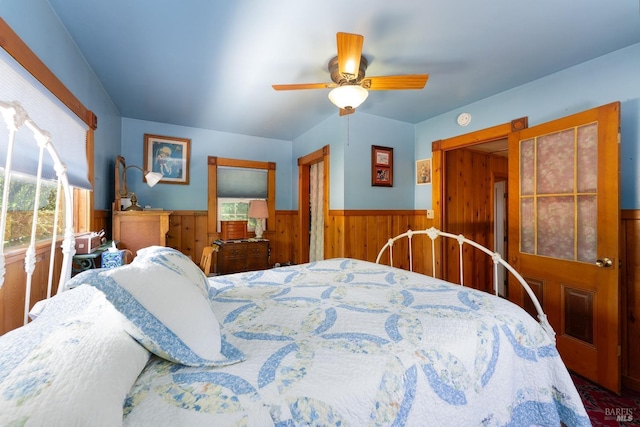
[(351, 343)]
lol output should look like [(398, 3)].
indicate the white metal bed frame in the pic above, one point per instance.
[(15, 117), (434, 233)]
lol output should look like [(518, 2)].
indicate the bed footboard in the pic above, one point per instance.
[(497, 259)]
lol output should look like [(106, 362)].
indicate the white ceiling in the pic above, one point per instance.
[(210, 64)]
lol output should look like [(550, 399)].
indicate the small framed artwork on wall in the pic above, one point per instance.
[(168, 156), (381, 166), (423, 171)]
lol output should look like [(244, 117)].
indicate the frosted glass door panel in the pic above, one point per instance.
[(558, 194), (555, 155), (556, 229), (588, 159), (587, 228)]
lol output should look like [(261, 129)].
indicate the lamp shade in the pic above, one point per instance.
[(153, 178), (348, 96), (258, 209)]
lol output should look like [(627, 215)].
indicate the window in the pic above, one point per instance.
[(237, 186), (48, 91), (233, 183), (20, 209), (235, 209)]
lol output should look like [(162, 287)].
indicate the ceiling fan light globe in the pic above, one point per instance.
[(348, 96)]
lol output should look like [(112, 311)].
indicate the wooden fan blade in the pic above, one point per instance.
[(411, 81), (344, 112), (349, 52), (304, 86)]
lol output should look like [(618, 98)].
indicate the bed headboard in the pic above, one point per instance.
[(434, 233), (15, 118)]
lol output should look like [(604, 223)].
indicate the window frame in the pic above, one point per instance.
[(83, 215), (212, 199)]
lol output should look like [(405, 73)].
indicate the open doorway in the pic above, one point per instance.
[(474, 186), (305, 188), (452, 187), (500, 230)]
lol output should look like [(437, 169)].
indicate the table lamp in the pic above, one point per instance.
[(258, 209), (152, 178)]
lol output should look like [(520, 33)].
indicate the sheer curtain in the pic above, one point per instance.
[(316, 198)]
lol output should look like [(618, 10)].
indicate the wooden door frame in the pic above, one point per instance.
[(304, 163), (439, 149)]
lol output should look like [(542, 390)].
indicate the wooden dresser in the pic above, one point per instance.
[(235, 256), (139, 229)]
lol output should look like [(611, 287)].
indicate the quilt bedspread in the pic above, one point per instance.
[(346, 342)]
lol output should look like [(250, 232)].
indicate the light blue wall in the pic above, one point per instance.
[(367, 130), (41, 30), (613, 77), (610, 78), (350, 139), (204, 143), (331, 132)]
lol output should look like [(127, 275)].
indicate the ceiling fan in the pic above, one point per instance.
[(350, 86)]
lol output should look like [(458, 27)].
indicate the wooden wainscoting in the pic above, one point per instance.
[(353, 234), (468, 203), (283, 247), (630, 298), (360, 234), (102, 221), (12, 292), (188, 234)]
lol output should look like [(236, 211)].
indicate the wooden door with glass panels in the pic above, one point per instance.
[(564, 221)]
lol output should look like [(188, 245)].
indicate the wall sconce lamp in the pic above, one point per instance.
[(152, 178), (258, 209)]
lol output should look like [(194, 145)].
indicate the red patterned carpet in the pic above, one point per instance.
[(606, 408)]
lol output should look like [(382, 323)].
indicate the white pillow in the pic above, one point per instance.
[(165, 309), (178, 262), (73, 366)]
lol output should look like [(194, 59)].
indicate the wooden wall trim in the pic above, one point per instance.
[(472, 138), (19, 50), (314, 157), (633, 214), (377, 212), (189, 212)]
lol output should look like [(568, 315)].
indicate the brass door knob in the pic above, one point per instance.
[(604, 262)]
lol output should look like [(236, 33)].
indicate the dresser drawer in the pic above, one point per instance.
[(240, 256), (257, 256), (234, 251), (257, 251)]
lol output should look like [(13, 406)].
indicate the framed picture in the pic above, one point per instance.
[(169, 156), (381, 166), (423, 171)]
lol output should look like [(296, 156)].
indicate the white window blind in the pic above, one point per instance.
[(67, 131), (242, 183)]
